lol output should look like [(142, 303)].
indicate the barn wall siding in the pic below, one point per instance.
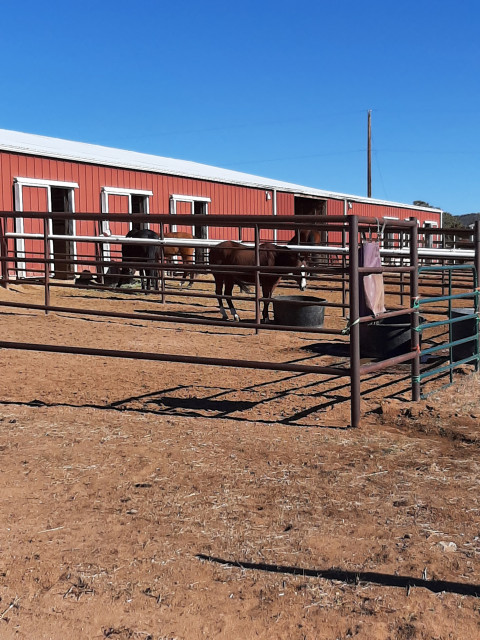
[(225, 199)]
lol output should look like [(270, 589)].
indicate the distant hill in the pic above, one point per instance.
[(468, 218), (449, 220)]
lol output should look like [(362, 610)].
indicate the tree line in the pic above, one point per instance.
[(450, 221)]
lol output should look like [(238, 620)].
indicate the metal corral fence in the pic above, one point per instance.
[(412, 259)]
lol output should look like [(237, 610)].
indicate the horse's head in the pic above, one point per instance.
[(299, 261), (289, 258), (302, 278)]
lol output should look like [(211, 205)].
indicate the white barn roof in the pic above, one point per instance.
[(44, 146)]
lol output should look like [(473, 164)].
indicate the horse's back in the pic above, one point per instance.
[(147, 234), (140, 251), (184, 235), (235, 253), (228, 252)]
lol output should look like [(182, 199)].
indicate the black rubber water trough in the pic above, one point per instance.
[(464, 329), (299, 311), (386, 338)]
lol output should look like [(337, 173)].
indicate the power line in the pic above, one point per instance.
[(287, 158), (377, 163), (245, 125)]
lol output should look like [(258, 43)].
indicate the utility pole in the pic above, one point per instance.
[(369, 155)]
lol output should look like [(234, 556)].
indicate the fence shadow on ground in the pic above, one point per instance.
[(266, 402), (354, 577)]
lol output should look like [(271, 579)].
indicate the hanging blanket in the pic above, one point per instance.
[(372, 293)]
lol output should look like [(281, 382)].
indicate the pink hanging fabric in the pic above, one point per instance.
[(372, 292)]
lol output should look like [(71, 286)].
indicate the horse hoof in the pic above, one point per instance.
[(236, 318)]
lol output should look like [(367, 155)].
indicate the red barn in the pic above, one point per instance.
[(38, 173)]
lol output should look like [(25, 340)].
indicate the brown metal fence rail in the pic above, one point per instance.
[(346, 270)]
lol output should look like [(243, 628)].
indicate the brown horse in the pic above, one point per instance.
[(312, 237), (235, 254), (186, 253)]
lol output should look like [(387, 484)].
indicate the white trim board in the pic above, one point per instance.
[(38, 182), (191, 200), (106, 191), (18, 183)]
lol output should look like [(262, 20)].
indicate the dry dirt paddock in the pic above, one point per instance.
[(146, 500)]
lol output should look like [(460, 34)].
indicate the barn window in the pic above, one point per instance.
[(305, 206), (119, 200), (429, 237), (191, 205), (404, 240), (390, 238), (131, 201), (55, 196)]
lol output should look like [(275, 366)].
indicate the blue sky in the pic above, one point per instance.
[(274, 88)]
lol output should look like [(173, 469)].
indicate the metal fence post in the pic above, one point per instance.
[(414, 298), (162, 262), (476, 284), (344, 266), (3, 252), (354, 305), (46, 256), (257, 276)]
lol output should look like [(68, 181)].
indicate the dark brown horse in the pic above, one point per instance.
[(235, 254), (186, 253), (149, 259), (143, 254)]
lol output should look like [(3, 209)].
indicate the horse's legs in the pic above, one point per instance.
[(155, 277), (184, 276), (190, 259), (173, 261), (146, 278), (143, 278), (267, 290), (218, 292), (151, 276), (187, 258), (301, 278), (123, 271), (228, 292), (225, 283)]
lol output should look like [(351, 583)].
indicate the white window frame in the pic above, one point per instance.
[(175, 198), (120, 191), (389, 232), (18, 184), (428, 239)]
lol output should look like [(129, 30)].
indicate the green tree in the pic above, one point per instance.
[(422, 203), (451, 222)]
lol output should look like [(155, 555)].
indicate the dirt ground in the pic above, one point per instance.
[(154, 501)]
